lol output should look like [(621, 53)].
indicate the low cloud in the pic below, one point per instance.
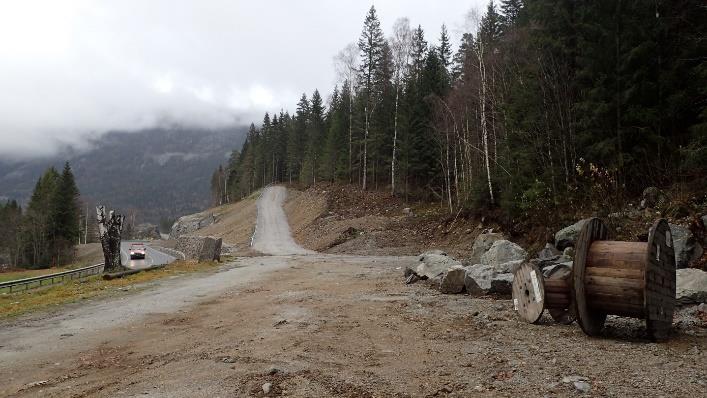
[(74, 69)]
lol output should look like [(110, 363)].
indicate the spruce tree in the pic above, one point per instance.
[(371, 46)]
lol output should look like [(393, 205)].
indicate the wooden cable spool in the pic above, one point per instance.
[(631, 279), (533, 293), (558, 295)]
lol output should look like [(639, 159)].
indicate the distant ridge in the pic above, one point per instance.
[(161, 172)]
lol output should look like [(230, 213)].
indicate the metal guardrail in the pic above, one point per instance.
[(50, 279)]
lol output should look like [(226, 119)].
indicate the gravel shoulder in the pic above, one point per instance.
[(323, 325), (339, 326)]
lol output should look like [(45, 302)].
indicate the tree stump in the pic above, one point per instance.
[(110, 227)]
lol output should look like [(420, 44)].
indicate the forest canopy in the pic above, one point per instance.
[(544, 103)]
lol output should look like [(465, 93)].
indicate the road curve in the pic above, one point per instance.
[(272, 232), (152, 257)]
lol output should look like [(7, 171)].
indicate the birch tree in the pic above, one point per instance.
[(400, 44), (346, 63)]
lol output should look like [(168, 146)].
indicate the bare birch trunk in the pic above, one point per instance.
[(395, 141), (350, 133), (484, 128)]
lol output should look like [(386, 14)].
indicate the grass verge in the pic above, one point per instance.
[(14, 304)]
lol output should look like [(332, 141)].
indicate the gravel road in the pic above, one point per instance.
[(152, 257), (272, 232), (330, 326)]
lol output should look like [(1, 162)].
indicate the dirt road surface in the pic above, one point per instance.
[(321, 326), (272, 233)]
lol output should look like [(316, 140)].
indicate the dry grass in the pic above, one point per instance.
[(13, 304), (235, 222), (86, 255)]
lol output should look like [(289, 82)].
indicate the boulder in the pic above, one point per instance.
[(549, 253), (502, 284), (408, 212), (503, 251), (481, 279), (200, 248), (691, 286), (687, 249), (188, 224), (482, 244), (477, 279), (434, 263), (453, 280), (567, 236), (508, 267)]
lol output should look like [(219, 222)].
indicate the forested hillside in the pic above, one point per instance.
[(544, 104), (147, 175), (45, 233)]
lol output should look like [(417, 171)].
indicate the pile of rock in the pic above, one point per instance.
[(691, 286), (200, 248), (188, 224), (493, 259)]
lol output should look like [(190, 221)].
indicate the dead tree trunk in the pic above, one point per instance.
[(109, 228)]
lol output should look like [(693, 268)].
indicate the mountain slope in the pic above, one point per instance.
[(155, 173)]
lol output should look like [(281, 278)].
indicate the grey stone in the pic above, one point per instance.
[(691, 286), (508, 267), (267, 387), (477, 279), (200, 248), (503, 251), (502, 283), (573, 378), (453, 281), (481, 279), (549, 252), (408, 212), (193, 222), (687, 249), (567, 236), (412, 278), (582, 386), (482, 244), (434, 263)]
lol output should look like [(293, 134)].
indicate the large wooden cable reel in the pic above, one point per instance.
[(533, 293), (632, 279)]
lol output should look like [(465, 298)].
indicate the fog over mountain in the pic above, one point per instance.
[(75, 69), (153, 173)]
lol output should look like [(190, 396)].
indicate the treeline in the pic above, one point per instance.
[(44, 234), (545, 103)]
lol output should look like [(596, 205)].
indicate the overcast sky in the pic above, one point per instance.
[(70, 69)]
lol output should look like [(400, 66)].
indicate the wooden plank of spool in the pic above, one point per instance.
[(590, 320), (528, 292), (558, 300), (660, 281)]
